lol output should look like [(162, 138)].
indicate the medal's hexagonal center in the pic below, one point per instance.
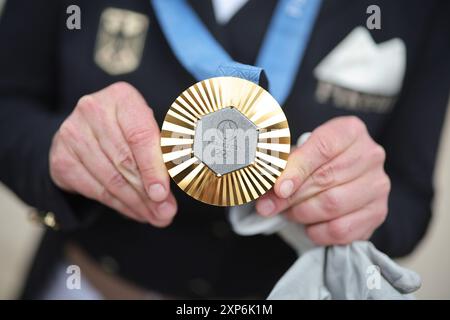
[(225, 140)]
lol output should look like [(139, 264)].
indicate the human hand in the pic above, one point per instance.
[(334, 183), (108, 150)]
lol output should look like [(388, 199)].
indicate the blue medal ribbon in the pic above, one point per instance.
[(279, 58)]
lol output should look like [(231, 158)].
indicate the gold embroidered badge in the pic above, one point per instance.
[(120, 40)]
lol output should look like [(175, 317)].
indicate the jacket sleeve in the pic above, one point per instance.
[(411, 140), (29, 114)]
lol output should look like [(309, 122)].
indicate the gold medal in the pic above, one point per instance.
[(225, 141)]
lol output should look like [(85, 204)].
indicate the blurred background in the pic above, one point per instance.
[(19, 237)]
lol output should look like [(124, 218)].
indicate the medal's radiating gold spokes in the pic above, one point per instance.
[(228, 103)]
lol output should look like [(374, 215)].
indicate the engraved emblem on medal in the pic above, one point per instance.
[(225, 141)]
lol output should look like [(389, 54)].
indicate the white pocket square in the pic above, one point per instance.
[(360, 64)]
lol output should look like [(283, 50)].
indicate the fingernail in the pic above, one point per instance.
[(157, 192), (266, 207), (286, 188), (166, 210)]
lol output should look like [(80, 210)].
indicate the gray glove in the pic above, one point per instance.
[(354, 271)]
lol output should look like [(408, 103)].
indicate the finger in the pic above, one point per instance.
[(359, 158), (346, 167), (165, 211), (80, 180), (357, 225), (101, 119), (269, 204), (340, 200), (324, 144), (88, 151), (142, 135), (98, 110)]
